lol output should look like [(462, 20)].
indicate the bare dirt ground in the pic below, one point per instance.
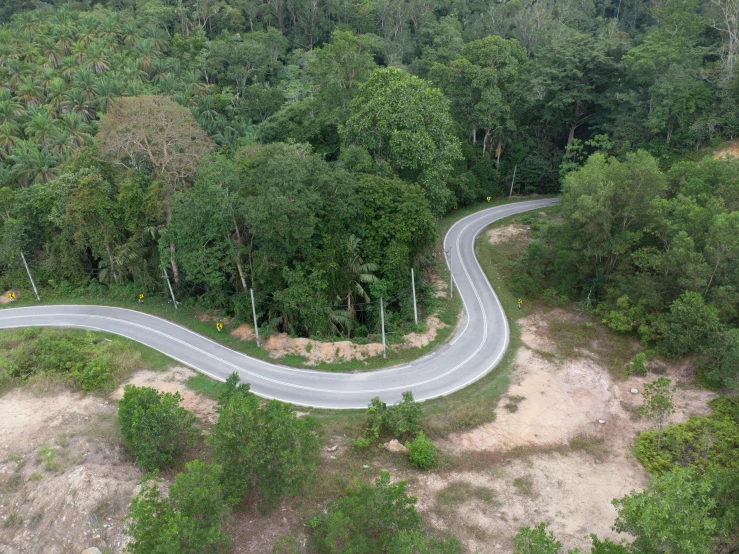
[(65, 477), (316, 352), (497, 235), (65, 480), (4, 298), (243, 332), (730, 151), (552, 403)]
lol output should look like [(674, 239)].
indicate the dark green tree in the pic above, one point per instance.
[(155, 428)]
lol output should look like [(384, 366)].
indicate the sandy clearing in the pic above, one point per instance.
[(559, 401), (81, 499), (571, 492), (26, 419), (534, 333), (173, 380), (506, 233)]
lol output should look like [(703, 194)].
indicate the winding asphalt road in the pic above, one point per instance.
[(475, 349)]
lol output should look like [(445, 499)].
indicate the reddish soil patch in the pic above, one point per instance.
[(316, 352), (243, 332)]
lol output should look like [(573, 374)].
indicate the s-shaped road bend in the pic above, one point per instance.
[(475, 349)]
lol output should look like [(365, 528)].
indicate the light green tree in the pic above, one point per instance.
[(658, 405)]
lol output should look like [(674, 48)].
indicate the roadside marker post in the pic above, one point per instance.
[(415, 308), (254, 313), (382, 324), (30, 277)]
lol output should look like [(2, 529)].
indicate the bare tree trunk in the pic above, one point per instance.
[(175, 269), (112, 266), (571, 136)]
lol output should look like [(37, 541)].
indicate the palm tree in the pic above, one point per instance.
[(40, 126), (360, 273), (14, 70), (79, 131), (55, 94), (68, 66), (168, 83), (97, 58), (50, 51), (8, 137), (84, 81), (146, 54), (106, 90), (60, 143), (10, 108), (31, 164), (129, 34), (79, 51), (29, 92), (109, 27), (75, 102)]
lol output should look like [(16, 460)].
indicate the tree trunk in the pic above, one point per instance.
[(241, 275), (112, 266), (175, 269), (571, 136)]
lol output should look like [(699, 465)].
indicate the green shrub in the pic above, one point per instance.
[(361, 442), (637, 365), (702, 442), (96, 374), (189, 521), (265, 450), (400, 420), (154, 427), (422, 452), (370, 519)]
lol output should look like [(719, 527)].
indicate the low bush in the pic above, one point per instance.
[(400, 420), (421, 452), (154, 427), (701, 442), (188, 521), (82, 360)]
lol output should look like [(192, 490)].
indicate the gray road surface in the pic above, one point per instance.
[(476, 348)]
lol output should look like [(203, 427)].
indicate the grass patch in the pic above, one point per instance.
[(13, 519), (513, 402), (48, 359), (524, 485), (457, 493), (202, 384)]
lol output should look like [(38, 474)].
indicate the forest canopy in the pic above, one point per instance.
[(303, 149)]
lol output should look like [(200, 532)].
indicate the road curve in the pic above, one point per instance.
[(475, 349)]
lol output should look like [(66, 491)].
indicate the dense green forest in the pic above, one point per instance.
[(304, 148)]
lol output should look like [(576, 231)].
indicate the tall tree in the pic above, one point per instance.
[(152, 132), (572, 73), (403, 121)]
